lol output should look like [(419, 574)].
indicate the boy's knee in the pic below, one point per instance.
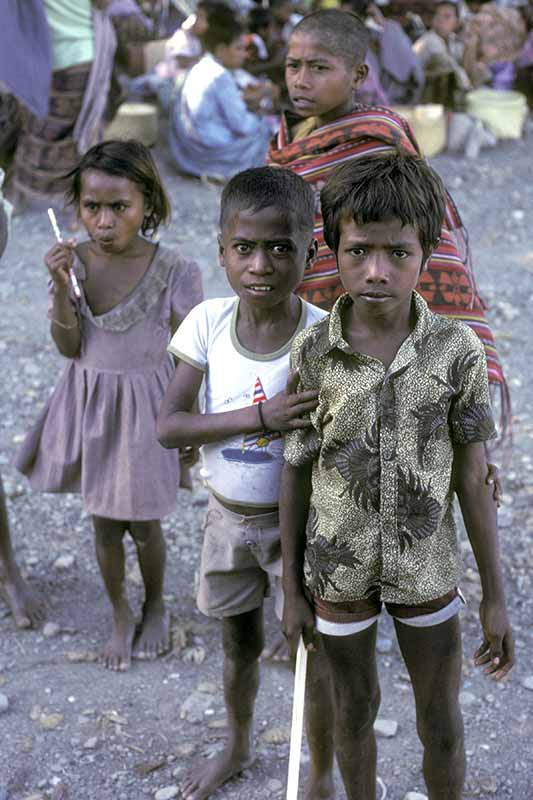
[(243, 643), (357, 714), (441, 733)]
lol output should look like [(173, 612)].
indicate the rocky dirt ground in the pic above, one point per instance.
[(70, 729)]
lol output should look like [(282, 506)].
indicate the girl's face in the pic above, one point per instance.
[(112, 210), (232, 55), (319, 83)]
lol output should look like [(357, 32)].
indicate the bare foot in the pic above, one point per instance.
[(116, 654), (154, 637), (27, 606), (320, 788), (206, 777), (277, 650)]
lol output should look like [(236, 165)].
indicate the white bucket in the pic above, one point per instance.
[(135, 121), (504, 112), (429, 126)]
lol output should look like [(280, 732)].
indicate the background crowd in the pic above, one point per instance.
[(216, 70)]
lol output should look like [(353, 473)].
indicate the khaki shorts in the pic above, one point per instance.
[(241, 561)]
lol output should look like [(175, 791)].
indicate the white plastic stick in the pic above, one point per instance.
[(298, 704), (57, 234)]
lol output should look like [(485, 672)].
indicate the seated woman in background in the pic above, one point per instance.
[(212, 132), (440, 51)]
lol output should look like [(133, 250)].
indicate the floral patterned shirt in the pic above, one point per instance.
[(381, 445)]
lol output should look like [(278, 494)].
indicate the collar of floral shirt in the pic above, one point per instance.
[(332, 338)]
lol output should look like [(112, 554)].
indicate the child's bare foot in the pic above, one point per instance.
[(277, 650), (154, 636), (116, 654), (27, 606), (206, 777), (320, 787)]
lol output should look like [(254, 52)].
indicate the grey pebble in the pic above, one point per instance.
[(167, 793), (527, 682), (387, 728), (4, 703)]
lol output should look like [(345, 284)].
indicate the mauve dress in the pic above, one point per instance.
[(96, 434)]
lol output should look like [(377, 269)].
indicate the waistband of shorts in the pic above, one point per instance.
[(259, 520), (369, 607)]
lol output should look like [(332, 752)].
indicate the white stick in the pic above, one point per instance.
[(297, 721), (57, 234)]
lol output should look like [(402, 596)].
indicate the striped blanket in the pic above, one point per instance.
[(448, 283)]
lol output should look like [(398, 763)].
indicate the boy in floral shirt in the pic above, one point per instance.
[(403, 415)]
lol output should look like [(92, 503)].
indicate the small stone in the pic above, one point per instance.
[(274, 785), (82, 656), (167, 793), (91, 743), (195, 706), (50, 722), (186, 749), (386, 727), (415, 796), (467, 698), (276, 736), (208, 687), (527, 682), (51, 629), (194, 655), (384, 644), (4, 703), (65, 561)]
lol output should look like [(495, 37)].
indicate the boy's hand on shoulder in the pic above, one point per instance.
[(288, 409), (298, 620), (497, 649)]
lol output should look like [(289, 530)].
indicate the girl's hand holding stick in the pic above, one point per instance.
[(59, 239)]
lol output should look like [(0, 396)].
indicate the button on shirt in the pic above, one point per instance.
[(381, 445)]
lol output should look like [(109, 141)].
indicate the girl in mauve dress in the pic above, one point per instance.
[(96, 434)]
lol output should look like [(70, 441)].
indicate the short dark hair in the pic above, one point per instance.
[(451, 3), (125, 159), (223, 27), (258, 19), (340, 32), (261, 187), (381, 187)]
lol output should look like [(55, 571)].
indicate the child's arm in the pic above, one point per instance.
[(480, 518), (179, 426), (295, 494), (64, 326)]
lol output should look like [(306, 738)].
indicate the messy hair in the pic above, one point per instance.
[(340, 32), (125, 159), (260, 187), (382, 187)]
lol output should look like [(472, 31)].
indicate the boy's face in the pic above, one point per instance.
[(265, 255), (379, 264), (319, 83)]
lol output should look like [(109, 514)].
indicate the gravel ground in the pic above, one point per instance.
[(74, 730)]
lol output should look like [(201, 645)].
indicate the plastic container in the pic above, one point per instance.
[(429, 126), (504, 112), (135, 121)]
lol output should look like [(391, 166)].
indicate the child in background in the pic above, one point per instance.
[(241, 347), (324, 68), (96, 435), (27, 608), (212, 132), (366, 503)]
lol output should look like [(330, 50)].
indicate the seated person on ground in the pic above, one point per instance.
[(212, 132), (440, 51)]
